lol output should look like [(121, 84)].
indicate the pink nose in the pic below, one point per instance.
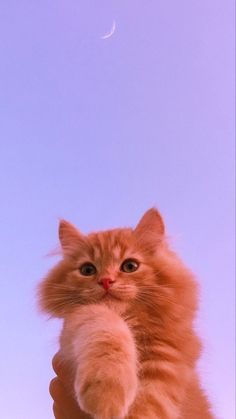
[(106, 283)]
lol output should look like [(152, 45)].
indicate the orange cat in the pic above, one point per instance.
[(128, 305)]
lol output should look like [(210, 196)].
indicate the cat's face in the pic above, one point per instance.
[(114, 267), (108, 265)]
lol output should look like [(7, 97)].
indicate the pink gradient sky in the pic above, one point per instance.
[(97, 131)]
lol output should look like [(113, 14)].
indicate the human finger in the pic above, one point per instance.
[(65, 401), (63, 369), (57, 412)]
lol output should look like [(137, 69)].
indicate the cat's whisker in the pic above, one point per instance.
[(159, 298), (146, 301)]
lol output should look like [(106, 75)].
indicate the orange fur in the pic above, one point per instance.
[(133, 350), (104, 357)]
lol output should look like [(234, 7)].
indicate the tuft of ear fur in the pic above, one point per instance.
[(150, 230), (70, 237)]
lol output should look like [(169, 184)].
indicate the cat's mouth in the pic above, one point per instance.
[(108, 295)]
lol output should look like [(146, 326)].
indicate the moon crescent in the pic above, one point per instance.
[(109, 34)]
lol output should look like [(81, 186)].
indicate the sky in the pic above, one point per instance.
[(97, 131)]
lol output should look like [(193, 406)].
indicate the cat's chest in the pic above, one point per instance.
[(145, 337)]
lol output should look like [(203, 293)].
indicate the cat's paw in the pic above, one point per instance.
[(103, 399)]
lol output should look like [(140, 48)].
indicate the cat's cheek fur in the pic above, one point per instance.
[(103, 351)]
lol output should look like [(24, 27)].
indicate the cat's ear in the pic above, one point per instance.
[(150, 229), (70, 237)]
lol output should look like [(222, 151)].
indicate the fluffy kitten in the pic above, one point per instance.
[(128, 305)]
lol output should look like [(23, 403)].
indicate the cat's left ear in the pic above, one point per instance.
[(151, 228), (70, 238)]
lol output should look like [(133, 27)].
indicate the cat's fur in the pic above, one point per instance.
[(133, 350)]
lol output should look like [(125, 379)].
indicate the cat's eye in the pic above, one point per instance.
[(87, 269), (129, 265)]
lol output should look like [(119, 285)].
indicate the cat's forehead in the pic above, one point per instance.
[(114, 243)]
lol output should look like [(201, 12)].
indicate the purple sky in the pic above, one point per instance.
[(97, 131)]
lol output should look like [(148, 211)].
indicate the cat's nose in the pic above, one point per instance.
[(106, 283)]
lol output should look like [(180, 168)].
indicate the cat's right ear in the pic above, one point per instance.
[(70, 237)]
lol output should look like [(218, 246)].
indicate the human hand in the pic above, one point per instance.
[(64, 406)]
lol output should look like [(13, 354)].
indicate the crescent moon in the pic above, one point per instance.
[(109, 34)]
